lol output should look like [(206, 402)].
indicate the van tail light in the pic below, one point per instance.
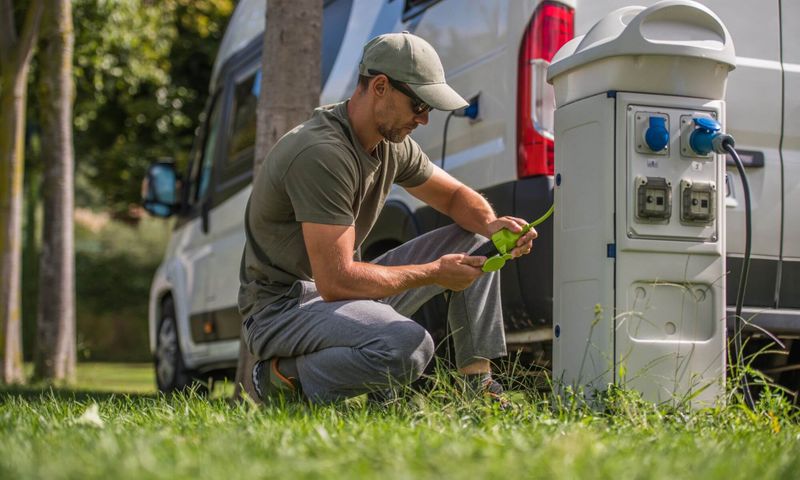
[(551, 27)]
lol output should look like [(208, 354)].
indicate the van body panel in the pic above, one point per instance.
[(159, 288), (195, 265), (246, 24), (479, 53), (791, 129), (175, 277), (228, 241), (755, 123), (790, 266)]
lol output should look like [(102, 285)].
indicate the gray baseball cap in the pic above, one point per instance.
[(409, 59)]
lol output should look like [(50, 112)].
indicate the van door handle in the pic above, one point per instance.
[(730, 192)]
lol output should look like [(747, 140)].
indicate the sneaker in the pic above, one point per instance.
[(496, 394), (383, 397), (483, 385), (269, 382)]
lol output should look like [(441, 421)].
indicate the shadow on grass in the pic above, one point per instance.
[(38, 394)]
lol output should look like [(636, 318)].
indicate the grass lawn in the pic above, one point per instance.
[(87, 432), (110, 377), (116, 377)]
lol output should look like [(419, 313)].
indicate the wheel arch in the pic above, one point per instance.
[(395, 225), (156, 314)]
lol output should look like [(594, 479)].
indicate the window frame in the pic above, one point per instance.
[(191, 205), (232, 177), (236, 172), (200, 158), (410, 11)]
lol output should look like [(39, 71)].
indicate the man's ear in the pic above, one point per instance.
[(379, 85)]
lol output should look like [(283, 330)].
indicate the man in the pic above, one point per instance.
[(326, 324)]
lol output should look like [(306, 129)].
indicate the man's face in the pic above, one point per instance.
[(396, 117)]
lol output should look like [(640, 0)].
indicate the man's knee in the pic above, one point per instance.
[(410, 350)]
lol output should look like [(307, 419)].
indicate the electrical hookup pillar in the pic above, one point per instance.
[(639, 233)]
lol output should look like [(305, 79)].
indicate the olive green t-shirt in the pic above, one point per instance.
[(318, 173)]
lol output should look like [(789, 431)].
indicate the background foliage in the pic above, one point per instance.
[(114, 265), (141, 70)]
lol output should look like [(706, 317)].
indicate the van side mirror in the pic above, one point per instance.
[(159, 189)]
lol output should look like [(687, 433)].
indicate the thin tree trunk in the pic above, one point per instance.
[(11, 167), (15, 56), (30, 249), (290, 86), (55, 346)]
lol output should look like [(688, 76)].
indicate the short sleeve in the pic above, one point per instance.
[(321, 183), (413, 165)]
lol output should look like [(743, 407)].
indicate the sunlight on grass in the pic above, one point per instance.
[(110, 377), (117, 377), (433, 432)]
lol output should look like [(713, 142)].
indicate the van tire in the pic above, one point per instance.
[(171, 373)]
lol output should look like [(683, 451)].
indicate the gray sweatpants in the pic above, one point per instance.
[(350, 347)]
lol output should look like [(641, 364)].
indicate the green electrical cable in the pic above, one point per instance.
[(542, 218)]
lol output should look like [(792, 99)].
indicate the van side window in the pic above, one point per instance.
[(243, 133), (237, 166), (335, 18), (413, 8), (203, 165)]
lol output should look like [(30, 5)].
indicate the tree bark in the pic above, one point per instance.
[(55, 356), (290, 88), (31, 241), (290, 70), (15, 56)]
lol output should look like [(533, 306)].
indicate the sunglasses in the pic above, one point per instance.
[(417, 105)]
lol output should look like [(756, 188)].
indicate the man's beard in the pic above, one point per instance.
[(394, 135)]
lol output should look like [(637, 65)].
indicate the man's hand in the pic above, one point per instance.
[(457, 271), (514, 224), (469, 209)]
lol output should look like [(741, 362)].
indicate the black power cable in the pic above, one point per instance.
[(444, 136), (450, 115), (725, 143), (471, 112)]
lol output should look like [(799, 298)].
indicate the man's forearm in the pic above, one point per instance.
[(360, 280), (471, 211)]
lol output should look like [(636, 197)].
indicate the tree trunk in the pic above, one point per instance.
[(15, 56), (11, 163), (30, 247), (290, 86), (55, 326), (290, 70)]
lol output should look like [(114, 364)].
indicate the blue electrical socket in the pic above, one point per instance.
[(471, 111)]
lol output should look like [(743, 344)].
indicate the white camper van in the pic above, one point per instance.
[(496, 53)]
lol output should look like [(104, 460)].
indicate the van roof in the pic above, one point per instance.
[(247, 23)]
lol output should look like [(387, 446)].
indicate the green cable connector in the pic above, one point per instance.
[(505, 240)]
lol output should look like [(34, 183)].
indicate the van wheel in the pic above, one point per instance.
[(171, 374)]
